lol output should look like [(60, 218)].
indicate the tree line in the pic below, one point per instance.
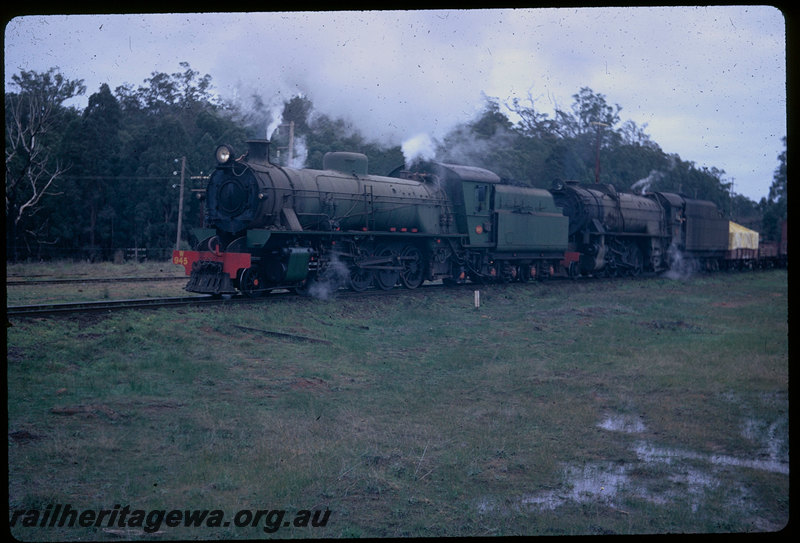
[(90, 183)]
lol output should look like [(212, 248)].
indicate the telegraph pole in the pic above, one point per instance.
[(597, 152), (180, 206), (291, 142)]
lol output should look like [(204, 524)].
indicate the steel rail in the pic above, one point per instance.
[(40, 310), (90, 280), (153, 303), (110, 305)]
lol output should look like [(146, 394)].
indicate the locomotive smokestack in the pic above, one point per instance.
[(258, 151)]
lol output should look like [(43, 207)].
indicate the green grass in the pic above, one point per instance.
[(89, 290), (418, 415), (63, 269)]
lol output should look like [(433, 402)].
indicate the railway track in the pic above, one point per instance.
[(41, 310), (111, 305), (152, 303), (92, 280)]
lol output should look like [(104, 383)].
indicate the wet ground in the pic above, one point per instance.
[(661, 475)]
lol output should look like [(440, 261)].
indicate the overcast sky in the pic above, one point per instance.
[(708, 82)]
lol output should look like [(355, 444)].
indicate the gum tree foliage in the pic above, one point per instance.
[(169, 117), (774, 206), (35, 115), (537, 149), (92, 145), (115, 166), (123, 154)]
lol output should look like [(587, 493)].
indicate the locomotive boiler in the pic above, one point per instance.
[(342, 196)]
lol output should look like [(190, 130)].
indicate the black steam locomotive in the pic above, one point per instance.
[(270, 227), (621, 233)]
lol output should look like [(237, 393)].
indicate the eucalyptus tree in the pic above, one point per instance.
[(35, 114)]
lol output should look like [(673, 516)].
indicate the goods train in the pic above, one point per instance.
[(269, 227)]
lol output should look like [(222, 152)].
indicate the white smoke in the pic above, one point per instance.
[(326, 283), (466, 147), (300, 153), (680, 267), (275, 120), (419, 147), (643, 185), (278, 130)]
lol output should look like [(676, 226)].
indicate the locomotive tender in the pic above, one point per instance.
[(270, 227)]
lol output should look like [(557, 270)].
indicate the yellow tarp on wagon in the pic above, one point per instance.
[(740, 237)]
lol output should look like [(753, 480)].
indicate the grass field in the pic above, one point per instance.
[(590, 407), (21, 294)]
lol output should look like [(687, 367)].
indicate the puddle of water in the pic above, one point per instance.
[(692, 483), (649, 453), (590, 483), (774, 466), (602, 482), (630, 424), (773, 438)]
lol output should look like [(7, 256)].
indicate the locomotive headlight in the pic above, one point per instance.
[(223, 154)]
